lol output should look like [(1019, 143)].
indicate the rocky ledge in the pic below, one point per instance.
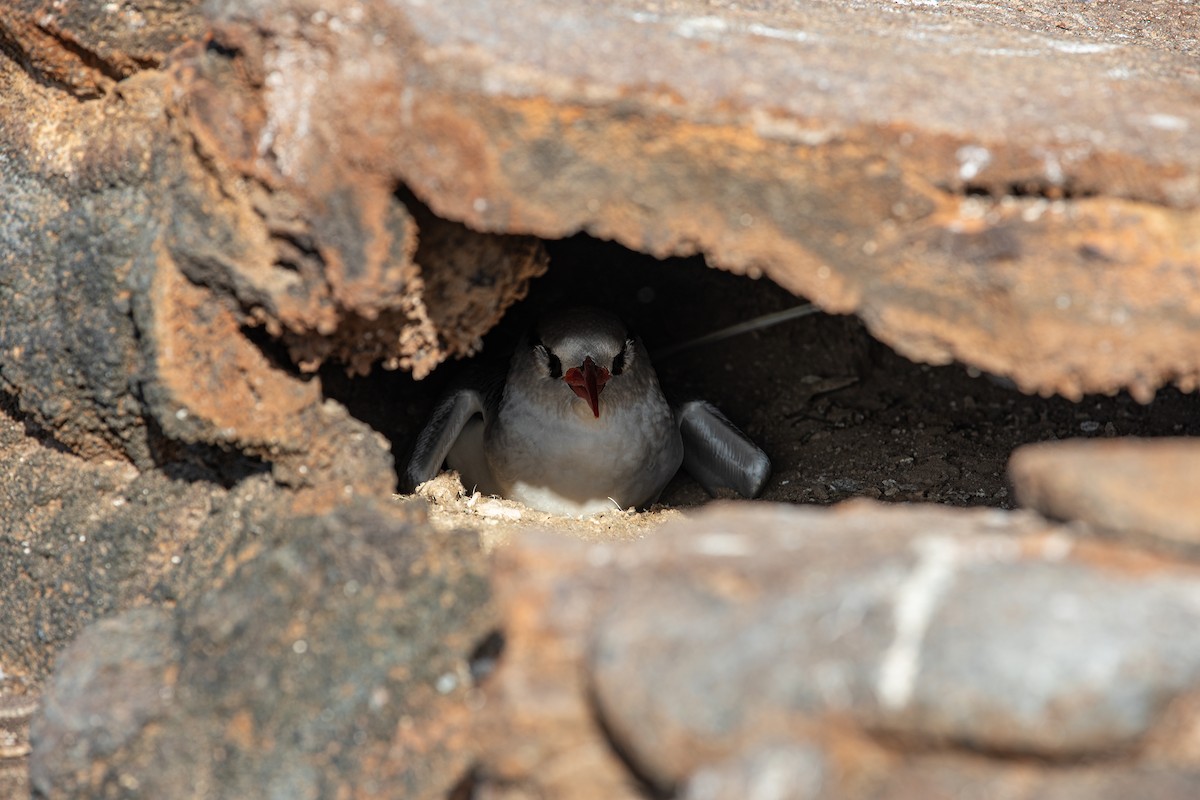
[(209, 209)]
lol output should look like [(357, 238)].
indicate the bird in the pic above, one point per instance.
[(579, 424)]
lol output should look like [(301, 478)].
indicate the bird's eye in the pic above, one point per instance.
[(622, 358), (553, 365)]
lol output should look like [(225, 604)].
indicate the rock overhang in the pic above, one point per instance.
[(1000, 190)]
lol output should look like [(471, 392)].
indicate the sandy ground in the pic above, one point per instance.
[(496, 519)]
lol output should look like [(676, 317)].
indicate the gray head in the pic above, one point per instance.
[(576, 354)]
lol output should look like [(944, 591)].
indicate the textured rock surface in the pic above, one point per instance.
[(796, 773), (87, 48), (205, 203), (143, 246), (1139, 490), (785, 772), (330, 662), (325, 247), (741, 631), (83, 540), (1015, 190), (1057, 660)]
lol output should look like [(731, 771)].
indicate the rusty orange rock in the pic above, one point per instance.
[(1017, 192), (1138, 490)]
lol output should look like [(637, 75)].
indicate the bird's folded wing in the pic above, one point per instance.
[(440, 434), (717, 454)]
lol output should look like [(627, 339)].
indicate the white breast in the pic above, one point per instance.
[(565, 461)]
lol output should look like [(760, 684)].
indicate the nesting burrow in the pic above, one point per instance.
[(246, 246), (841, 414)]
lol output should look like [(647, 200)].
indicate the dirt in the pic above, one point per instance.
[(451, 507), (840, 414)]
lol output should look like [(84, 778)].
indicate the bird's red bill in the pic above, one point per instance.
[(588, 381)]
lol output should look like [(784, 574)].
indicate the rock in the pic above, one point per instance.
[(859, 632), (940, 778), (1055, 660), (337, 259), (110, 684), (148, 281), (69, 343), (782, 772), (963, 177), (1143, 491), (86, 50), (207, 384), (83, 540), (332, 661), (773, 772), (537, 733)]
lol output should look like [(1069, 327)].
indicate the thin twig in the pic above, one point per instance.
[(758, 323)]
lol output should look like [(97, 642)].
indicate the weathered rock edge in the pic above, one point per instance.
[(1136, 490), (1019, 200), (878, 650), (152, 264)]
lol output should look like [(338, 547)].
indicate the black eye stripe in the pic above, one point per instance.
[(554, 365), (618, 364)]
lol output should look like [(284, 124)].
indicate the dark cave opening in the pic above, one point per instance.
[(840, 414)]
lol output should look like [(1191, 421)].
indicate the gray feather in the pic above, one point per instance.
[(443, 429), (717, 454)]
